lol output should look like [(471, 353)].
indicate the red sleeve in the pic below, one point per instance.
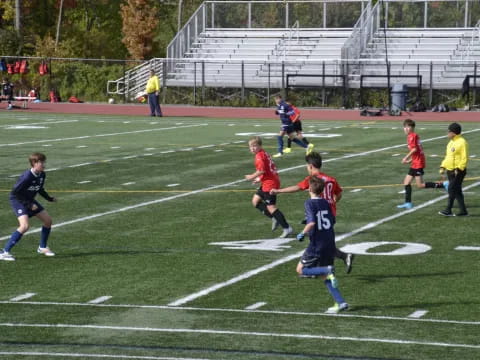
[(304, 184)]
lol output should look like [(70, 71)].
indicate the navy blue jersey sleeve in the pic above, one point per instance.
[(45, 195), (20, 189), (310, 212)]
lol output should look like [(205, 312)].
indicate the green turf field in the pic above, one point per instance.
[(160, 254)]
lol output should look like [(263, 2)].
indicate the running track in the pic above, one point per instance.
[(241, 112)]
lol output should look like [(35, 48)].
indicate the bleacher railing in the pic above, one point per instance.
[(257, 14)]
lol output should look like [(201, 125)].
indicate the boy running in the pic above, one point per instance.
[(332, 192), (24, 205), (285, 111), (297, 127), (416, 159), (266, 174), (317, 260)]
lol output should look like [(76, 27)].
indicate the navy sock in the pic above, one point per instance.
[(334, 292), (44, 236), (15, 238), (289, 142), (299, 143), (305, 141), (280, 144)]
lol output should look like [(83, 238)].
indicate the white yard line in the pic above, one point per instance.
[(23, 297), (40, 123), (256, 305), (100, 299), (265, 312), (240, 333), (101, 356), (418, 314), (102, 135)]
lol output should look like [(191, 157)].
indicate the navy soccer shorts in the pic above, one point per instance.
[(313, 261), (19, 209)]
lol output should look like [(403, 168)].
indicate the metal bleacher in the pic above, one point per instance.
[(210, 52), (414, 51), (259, 53)]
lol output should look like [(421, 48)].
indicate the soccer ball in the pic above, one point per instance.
[(111, 101)]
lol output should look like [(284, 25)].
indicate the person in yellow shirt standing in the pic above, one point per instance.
[(455, 164), (153, 90)]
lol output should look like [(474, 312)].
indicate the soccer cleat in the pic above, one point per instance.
[(287, 150), (310, 148), (446, 213), (462, 214), (286, 232), (445, 185), (335, 309), (277, 155), (6, 256), (45, 251), (349, 262), (407, 205), (333, 280), (274, 224)]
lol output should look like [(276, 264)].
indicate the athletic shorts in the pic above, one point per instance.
[(288, 128), (19, 209), (415, 172), (314, 261), (297, 126), (266, 197)]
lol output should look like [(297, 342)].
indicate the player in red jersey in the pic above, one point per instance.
[(332, 192), (266, 174), (416, 159)]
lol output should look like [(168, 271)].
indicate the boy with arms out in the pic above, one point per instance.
[(24, 205), (285, 111), (332, 192), (317, 260), (266, 174), (416, 159)]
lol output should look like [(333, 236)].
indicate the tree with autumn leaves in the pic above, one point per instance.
[(134, 29), (140, 21)]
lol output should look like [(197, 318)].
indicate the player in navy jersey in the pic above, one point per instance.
[(24, 205), (318, 258), (285, 111), (332, 192)]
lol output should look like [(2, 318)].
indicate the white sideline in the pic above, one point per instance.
[(240, 333), (102, 356), (255, 311), (103, 135)]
